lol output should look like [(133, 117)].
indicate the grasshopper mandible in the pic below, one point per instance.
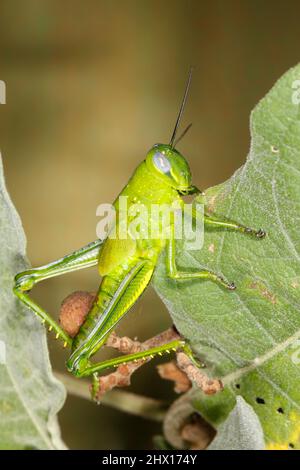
[(127, 265)]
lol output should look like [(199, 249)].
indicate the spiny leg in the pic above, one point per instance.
[(177, 344), (174, 273), (141, 355), (24, 282), (46, 318), (99, 323)]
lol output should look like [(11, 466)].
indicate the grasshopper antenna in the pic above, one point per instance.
[(182, 134), (181, 108)]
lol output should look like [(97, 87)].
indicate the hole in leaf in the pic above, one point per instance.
[(280, 410), (291, 445), (260, 401), (237, 386), (274, 149)]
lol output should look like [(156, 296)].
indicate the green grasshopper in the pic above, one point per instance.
[(127, 265)]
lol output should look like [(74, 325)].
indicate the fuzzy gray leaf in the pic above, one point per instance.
[(30, 396), (240, 431)]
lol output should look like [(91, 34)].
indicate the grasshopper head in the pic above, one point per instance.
[(166, 163)]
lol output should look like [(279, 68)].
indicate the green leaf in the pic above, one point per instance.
[(250, 337), (240, 431), (30, 396)]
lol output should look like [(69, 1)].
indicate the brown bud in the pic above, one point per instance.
[(170, 371), (73, 311)]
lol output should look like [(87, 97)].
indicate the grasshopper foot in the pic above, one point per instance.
[(261, 233), (231, 286), (257, 233)]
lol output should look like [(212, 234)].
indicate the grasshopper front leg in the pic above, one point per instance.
[(214, 221), (25, 281)]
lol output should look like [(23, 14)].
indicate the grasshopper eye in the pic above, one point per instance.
[(161, 162)]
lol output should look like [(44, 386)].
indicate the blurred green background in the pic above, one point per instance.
[(91, 86)]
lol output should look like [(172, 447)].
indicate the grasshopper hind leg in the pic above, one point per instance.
[(83, 258), (103, 317)]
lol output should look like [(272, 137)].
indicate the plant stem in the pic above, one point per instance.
[(128, 402)]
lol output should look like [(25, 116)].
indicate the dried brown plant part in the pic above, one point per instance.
[(123, 344), (176, 417), (197, 433), (183, 428), (74, 309), (73, 313), (170, 371), (206, 384), (122, 375)]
